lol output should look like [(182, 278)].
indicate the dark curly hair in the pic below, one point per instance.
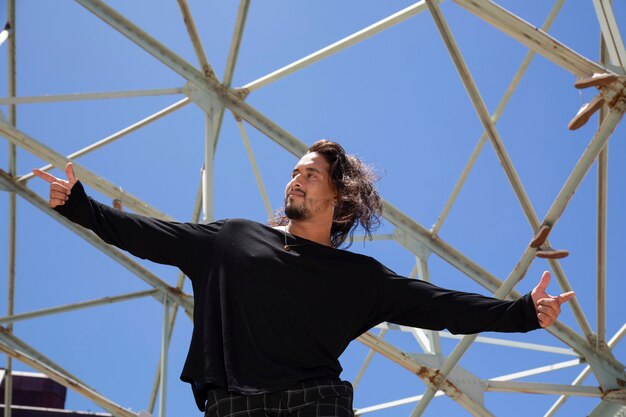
[(358, 202)]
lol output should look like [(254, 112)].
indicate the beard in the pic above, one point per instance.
[(295, 211)]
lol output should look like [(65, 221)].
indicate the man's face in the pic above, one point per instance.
[(309, 193)]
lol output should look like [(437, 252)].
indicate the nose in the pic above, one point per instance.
[(295, 182)]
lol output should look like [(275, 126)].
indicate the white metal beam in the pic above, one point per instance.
[(619, 335), (117, 135), (610, 32), (537, 371), (8, 345), (607, 375), (495, 117), (233, 52), (88, 177), (231, 62), (391, 404), (54, 98), (498, 145), (491, 341), (430, 376), (195, 39), (368, 360), (255, 170), (76, 306), (533, 37), (541, 388), (210, 87), (340, 45), (12, 220), (180, 282)]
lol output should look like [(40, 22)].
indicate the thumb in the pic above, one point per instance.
[(69, 171), (544, 282)]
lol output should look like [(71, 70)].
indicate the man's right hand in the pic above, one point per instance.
[(59, 189)]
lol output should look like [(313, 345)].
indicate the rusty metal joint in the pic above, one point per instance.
[(209, 73), (241, 93)]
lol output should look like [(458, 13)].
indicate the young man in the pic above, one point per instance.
[(274, 307)]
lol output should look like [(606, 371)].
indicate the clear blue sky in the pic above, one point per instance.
[(395, 100)]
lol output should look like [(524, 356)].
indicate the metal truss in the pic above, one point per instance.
[(440, 373)]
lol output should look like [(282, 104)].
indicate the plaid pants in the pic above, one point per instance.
[(310, 398)]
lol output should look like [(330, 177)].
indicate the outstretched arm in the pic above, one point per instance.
[(420, 304), (172, 243)]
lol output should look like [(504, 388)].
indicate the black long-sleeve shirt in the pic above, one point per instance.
[(265, 318)]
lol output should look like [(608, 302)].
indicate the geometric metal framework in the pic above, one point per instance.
[(587, 347)]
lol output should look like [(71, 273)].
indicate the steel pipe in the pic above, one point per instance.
[(231, 62), (233, 52), (86, 176), (165, 338), (428, 375), (255, 170), (211, 88), (180, 282), (338, 46), (538, 371), (53, 98), (602, 180), (533, 37), (585, 373), (495, 117), (209, 168), (540, 388), (77, 306), (117, 135), (69, 381), (498, 145), (195, 39), (610, 32), (11, 75), (554, 213)]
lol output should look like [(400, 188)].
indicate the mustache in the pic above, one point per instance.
[(295, 190)]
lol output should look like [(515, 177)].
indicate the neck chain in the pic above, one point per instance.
[(288, 247)]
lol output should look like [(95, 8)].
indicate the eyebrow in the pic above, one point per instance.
[(309, 169)]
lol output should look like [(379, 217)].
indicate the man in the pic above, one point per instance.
[(274, 307)]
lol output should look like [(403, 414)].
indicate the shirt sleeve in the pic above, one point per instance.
[(164, 242), (417, 303)]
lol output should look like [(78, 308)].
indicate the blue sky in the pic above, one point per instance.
[(395, 100)]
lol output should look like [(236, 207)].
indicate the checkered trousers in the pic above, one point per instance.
[(310, 398)]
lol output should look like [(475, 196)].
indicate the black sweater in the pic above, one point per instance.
[(265, 318)]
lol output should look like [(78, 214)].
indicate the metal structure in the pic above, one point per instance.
[(591, 348)]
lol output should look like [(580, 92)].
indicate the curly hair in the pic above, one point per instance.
[(358, 202)]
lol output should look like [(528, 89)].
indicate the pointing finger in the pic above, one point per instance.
[(45, 176), (565, 297)]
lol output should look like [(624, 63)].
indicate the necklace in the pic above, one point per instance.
[(288, 247)]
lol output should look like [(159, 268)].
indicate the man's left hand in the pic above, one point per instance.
[(548, 307)]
